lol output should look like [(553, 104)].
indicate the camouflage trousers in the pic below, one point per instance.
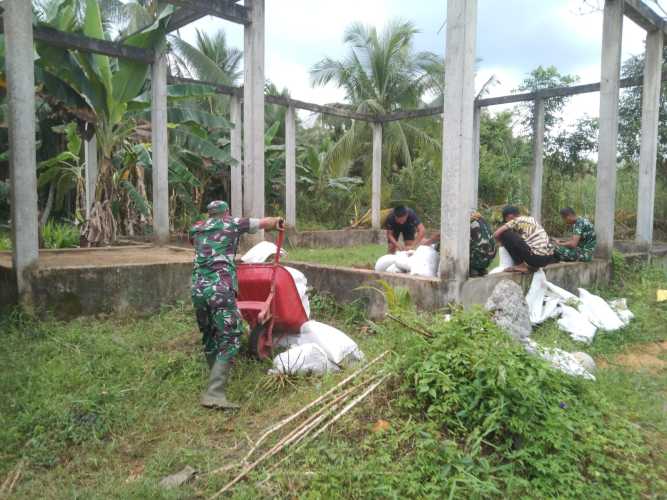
[(218, 318), (566, 254)]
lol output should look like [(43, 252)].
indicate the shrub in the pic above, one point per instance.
[(57, 235)]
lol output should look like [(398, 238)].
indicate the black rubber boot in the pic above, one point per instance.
[(215, 397)]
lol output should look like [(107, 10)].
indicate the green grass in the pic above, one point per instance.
[(106, 407), (363, 256)]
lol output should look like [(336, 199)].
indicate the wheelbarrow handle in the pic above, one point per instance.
[(280, 239)]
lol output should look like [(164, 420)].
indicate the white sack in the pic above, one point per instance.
[(561, 293), (535, 297), (620, 307), (598, 311), (403, 261), (384, 263), (261, 252), (559, 359), (393, 269), (576, 324), (505, 261), (303, 359), (424, 262), (336, 344), (302, 287)]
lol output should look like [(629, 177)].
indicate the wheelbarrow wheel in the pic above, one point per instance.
[(259, 347)]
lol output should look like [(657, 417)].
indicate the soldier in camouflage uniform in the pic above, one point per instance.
[(581, 245), (482, 245), (214, 287)]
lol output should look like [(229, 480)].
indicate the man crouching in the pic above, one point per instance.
[(214, 288)]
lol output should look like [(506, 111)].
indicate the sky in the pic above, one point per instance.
[(513, 37)]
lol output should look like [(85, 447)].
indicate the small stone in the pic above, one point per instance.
[(178, 479), (510, 309), (585, 360)]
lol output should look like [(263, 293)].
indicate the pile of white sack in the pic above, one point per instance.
[(318, 349), (580, 316), (423, 261)]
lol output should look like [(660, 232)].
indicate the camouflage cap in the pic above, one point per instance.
[(217, 207)]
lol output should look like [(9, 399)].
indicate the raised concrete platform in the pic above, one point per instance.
[(81, 282), (141, 278)]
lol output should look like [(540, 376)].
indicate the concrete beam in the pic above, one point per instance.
[(290, 166), (90, 155), (160, 148), (235, 116), (537, 173), (457, 144), (223, 9), (648, 152), (376, 176), (644, 16), (20, 76), (605, 200), (476, 129), (253, 111)]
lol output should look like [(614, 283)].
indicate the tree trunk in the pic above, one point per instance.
[(48, 206)]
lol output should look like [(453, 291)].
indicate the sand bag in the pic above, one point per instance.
[(301, 286), (559, 359), (393, 269), (303, 359), (384, 263), (598, 312), (261, 252), (535, 297), (576, 324), (403, 261), (505, 261), (339, 347), (620, 307), (424, 262)]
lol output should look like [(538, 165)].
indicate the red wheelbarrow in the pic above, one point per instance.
[(269, 302)]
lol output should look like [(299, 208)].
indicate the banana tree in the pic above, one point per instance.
[(95, 82)]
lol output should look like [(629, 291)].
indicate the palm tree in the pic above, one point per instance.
[(381, 74)]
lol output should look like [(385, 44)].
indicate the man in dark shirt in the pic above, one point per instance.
[(403, 221)]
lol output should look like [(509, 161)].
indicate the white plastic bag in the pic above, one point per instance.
[(424, 262), (384, 263), (535, 297), (561, 293), (403, 261), (559, 359), (336, 344), (303, 359), (620, 307), (505, 261), (393, 269), (261, 252), (598, 312), (576, 324), (302, 287)]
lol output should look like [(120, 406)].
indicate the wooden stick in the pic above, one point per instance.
[(315, 402), (286, 441), (419, 330)]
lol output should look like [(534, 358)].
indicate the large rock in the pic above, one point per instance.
[(510, 309)]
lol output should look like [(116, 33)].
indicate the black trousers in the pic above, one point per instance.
[(520, 251)]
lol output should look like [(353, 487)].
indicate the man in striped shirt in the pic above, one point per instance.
[(525, 240)]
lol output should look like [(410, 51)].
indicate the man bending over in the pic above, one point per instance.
[(525, 240), (403, 221), (581, 245)]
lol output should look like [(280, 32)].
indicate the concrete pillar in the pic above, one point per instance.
[(476, 127), (235, 116), (376, 176), (253, 111), (90, 156), (648, 151), (537, 173), (160, 149), (457, 144), (612, 28), (290, 166), (20, 76)]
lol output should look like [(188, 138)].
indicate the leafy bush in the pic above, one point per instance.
[(543, 433), (57, 235)]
